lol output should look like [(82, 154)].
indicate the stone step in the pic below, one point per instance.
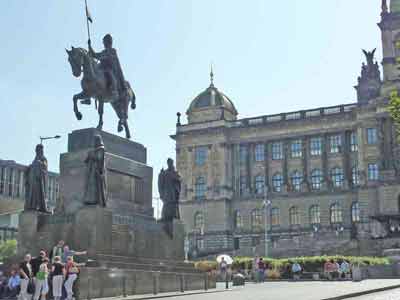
[(143, 260), (144, 267)]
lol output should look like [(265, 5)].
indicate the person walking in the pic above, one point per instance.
[(72, 271), (58, 274), (41, 283), (261, 270), (223, 267), (25, 273)]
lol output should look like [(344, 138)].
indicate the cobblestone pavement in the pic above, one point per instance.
[(299, 291)]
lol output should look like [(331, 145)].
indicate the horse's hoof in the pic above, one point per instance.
[(78, 116), (119, 128), (133, 106), (128, 136)]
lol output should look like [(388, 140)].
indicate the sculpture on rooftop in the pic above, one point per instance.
[(102, 80), (369, 83)]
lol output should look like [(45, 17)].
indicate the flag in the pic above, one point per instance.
[(88, 15)]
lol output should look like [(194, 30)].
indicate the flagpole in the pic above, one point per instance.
[(87, 21)]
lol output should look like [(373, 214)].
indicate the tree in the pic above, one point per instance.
[(394, 108), (8, 249)]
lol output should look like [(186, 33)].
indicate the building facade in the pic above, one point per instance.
[(318, 181), (12, 193)]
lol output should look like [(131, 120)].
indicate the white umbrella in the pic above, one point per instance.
[(226, 257)]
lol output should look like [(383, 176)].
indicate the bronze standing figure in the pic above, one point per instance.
[(96, 187), (36, 182), (169, 187)]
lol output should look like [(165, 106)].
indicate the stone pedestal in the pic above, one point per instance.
[(126, 246), (93, 230), (129, 179), (28, 224)]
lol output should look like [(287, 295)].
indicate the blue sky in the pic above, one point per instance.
[(268, 56)]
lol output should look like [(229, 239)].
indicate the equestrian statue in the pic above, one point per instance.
[(103, 80)]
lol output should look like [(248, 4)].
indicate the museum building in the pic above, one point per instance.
[(318, 181)]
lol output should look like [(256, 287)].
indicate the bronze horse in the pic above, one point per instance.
[(94, 85)]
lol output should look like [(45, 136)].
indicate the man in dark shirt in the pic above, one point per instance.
[(37, 261), (25, 272)]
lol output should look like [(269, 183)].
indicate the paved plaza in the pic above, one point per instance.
[(297, 290)]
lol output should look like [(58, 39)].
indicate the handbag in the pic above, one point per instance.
[(31, 287)]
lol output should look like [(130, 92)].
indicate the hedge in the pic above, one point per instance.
[(309, 263)]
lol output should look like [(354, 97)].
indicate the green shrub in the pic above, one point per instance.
[(7, 249), (309, 263)]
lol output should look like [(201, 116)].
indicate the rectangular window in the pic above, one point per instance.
[(373, 172), (236, 243), (200, 155), (296, 148), (255, 241), (259, 152), (275, 214), (372, 136), (200, 244), (243, 185), (243, 154), (277, 151), (316, 146), (2, 180), (335, 143), (10, 182), (353, 142)]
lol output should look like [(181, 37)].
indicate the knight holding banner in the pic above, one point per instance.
[(110, 65)]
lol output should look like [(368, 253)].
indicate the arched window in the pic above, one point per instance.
[(238, 222), (200, 188), (316, 179), (256, 219), (275, 216), (355, 212), (355, 176), (259, 184), (315, 214), (277, 182), (199, 221), (337, 177), (294, 217), (296, 179), (336, 214)]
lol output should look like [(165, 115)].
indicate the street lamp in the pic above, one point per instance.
[(266, 204), (43, 138)]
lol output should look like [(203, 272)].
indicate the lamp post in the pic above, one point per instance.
[(266, 204), (43, 138)]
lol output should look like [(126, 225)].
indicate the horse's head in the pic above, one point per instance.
[(75, 58)]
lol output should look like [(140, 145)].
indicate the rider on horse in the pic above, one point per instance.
[(109, 63)]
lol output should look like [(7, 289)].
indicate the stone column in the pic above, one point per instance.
[(305, 159), (324, 157), (285, 146), (346, 136), (266, 166), (249, 167)]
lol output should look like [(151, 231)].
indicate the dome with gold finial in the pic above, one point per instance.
[(210, 105)]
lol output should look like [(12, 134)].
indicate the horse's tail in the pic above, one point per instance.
[(95, 103)]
